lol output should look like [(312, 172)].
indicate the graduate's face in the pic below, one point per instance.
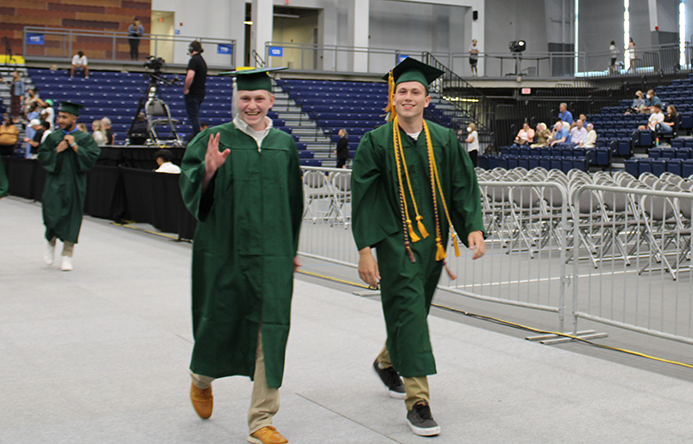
[(66, 121), (253, 107), (410, 99)]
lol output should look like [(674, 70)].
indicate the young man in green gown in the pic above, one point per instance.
[(242, 181), (67, 155), (410, 178)]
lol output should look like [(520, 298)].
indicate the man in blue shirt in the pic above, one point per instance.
[(564, 114), (560, 134), (651, 100)]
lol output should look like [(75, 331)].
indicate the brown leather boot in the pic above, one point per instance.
[(202, 400), (267, 435)]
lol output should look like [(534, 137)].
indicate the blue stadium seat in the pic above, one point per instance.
[(659, 166), (632, 167), (687, 168), (674, 166), (683, 153)]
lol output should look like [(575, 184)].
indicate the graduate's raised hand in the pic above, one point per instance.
[(476, 242), (368, 268), (213, 159)]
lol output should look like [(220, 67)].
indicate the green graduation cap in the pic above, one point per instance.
[(411, 70), (252, 79), (71, 107)]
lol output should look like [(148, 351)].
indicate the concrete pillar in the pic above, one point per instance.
[(359, 33), (263, 24), (237, 30)]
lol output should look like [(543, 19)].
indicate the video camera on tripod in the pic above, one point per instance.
[(154, 109)]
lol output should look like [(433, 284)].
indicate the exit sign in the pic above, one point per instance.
[(526, 90)]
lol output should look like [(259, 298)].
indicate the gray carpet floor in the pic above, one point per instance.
[(100, 355)]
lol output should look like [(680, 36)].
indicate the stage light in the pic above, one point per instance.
[(517, 46)]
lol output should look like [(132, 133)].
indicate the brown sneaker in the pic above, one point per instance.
[(267, 435), (202, 400)]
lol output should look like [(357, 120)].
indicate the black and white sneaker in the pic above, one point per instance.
[(421, 421), (391, 379)]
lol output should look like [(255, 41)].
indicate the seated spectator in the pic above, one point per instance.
[(654, 119), (36, 140), (583, 117), (651, 100), (82, 127), (46, 131), (542, 135), (108, 130), (163, 159), (590, 139), (203, 126), (559, 135), (638, 103), (564, 114), (97, 133), (80, 63), (668, 126), (48, 113), (578, 134), (139, 133), (525, 135), (9, 136)]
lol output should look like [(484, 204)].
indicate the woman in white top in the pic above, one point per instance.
[(473, 143), (98, 134)]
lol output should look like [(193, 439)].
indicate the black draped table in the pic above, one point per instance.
[(121, 186)]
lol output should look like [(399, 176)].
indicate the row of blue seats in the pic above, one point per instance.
[(351, 123), (491, 161), (282, 82), (346, 116), (681, 167), (558, 150), (343, 108), (670, 153)]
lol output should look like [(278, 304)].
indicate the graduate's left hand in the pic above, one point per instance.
[(70, 141), (297, 263), (476, 242)]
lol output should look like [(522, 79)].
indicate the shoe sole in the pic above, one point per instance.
[(254, 440), (396, 395), (429, 431)]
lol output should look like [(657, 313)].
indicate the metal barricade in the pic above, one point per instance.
[(633, 267)]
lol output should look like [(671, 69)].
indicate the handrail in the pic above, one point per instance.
[(258, 60)]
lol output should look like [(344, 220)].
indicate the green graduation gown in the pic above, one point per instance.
[(243, 251), (66, 183), (407, 288), (4, 184)]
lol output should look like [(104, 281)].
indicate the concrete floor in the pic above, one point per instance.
[(100, 355)]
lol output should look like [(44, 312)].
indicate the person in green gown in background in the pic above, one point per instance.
[(412, 184), (66, 155), (242, 181)]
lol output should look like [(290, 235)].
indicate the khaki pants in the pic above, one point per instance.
[(264, 402), (416, 388), (68, 247)]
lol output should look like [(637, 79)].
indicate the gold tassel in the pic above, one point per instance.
[(390, 108), (412, 235), (422, 229), (440, 251), (454, 243)]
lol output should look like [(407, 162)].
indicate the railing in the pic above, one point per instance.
[(105, 46), (472, 105), (632, 268)]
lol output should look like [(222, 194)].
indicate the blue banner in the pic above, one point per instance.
[(276, 51), (224, 49), (400, 58), (34, 39)]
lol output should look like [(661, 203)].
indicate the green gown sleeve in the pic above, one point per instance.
[(192, 174), (4, 184), (295, 194), (372, 215), (466, 198), (47, 154), (87, 152)]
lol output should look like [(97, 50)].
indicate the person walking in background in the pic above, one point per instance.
[(614, 56), (17, 93), (395, 168), (473, 56), (66, 155), (80, 63), (195, 85), (242, 182), (631, 53), (342, 150), (135, 31), (472, 143)]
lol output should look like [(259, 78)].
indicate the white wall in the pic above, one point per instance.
[(607, 17)]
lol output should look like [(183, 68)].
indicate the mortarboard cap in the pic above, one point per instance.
[(411, 70), (71, 108), (252, 79)]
